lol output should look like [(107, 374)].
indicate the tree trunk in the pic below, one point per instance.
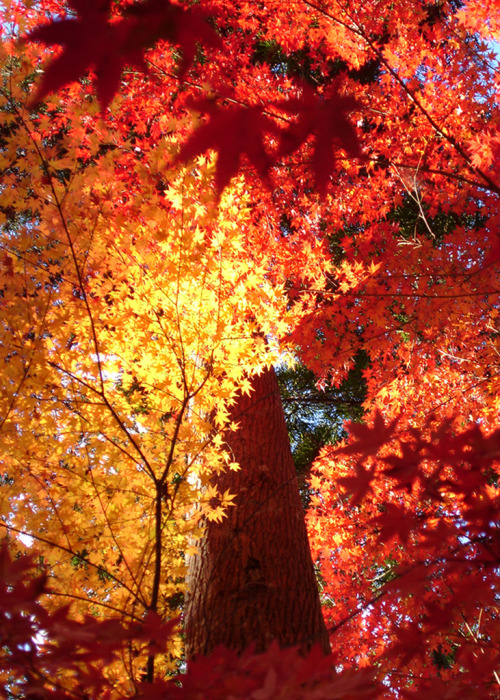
[(253, 579)]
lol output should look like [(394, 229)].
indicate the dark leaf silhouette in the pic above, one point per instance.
[(369, 439), (326, 118), (93, 41), (233, 132)]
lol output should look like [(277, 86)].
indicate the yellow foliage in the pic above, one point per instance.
[(128, 324)]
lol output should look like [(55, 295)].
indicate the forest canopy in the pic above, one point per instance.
[(191, 195)]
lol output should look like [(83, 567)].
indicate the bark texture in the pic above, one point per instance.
[(253, 579)]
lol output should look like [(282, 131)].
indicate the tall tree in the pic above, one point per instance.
[(253, 579)]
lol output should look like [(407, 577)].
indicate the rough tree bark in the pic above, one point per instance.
[(253, 579)]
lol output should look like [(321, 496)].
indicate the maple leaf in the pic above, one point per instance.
[(326, 118), (102, 52), (232, 132), (394, 523), (95, 42), (359, 485), (187, 28), (369, 439), (404, 468)]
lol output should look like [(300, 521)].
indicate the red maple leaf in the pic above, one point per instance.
[(232, 132), (369, 439), (187, 28), (94, 41), (89, 41), (404, 468), (359, 485), (394, 522), (326, 118)]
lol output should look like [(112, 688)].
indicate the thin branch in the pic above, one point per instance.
[(84, 560), (358, 30)]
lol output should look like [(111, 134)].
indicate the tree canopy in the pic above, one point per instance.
[(190, 194)]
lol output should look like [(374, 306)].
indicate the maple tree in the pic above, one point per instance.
[(350, 215)]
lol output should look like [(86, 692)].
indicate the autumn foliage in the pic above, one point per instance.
[(190, 194)]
